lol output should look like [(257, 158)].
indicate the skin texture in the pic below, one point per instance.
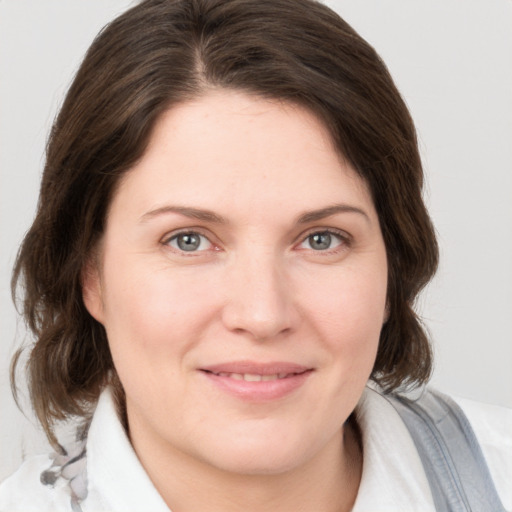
[(256, 289)]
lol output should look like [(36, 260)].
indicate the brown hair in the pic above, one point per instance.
[(163, 52)]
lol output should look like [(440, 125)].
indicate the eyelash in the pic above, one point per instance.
[(344, 238), (191, 232)]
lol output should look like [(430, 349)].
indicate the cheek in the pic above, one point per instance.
[(349, 297), (150, 306), (152, 322), (348, 308)]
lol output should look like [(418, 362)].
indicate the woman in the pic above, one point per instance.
[(229, 241)]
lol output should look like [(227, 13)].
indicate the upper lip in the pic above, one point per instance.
[(256, 368)]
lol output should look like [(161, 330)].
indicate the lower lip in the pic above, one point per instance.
[(260, 391)]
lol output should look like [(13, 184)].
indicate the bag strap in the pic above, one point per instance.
[(456, 470)]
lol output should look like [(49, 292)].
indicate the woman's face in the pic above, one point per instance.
[(242, 284)]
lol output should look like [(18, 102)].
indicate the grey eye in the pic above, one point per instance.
[(320, 241), (189, 242)]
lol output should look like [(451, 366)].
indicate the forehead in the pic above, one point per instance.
[(247, 149)]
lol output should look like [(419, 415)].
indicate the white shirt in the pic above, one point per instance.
[(393, 478)]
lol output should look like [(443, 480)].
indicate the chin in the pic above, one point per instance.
[(266, 463), (264, 455)]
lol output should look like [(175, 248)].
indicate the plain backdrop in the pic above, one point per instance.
[(452, 61)]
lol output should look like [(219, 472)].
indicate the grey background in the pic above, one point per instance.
[(452, 61)]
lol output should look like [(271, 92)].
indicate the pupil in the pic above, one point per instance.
[(188, 242), (320, 241)]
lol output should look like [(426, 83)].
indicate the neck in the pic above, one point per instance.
[(327, 483)]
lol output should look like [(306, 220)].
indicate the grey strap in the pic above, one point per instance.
[(452, 458)]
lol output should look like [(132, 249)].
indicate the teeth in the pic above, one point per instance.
[(251, 377)]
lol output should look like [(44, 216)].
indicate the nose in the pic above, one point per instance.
[(259, 298)]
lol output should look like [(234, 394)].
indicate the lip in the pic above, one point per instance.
[(291, 376)]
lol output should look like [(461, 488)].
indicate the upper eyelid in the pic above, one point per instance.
[(345, 241), (334, 231), (166, 242), (299, 239), (183, 231)]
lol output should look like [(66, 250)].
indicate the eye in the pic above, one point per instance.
[(189, 241), (323, 241)]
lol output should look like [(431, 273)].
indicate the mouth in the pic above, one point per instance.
[(256, 382), (254, 377)]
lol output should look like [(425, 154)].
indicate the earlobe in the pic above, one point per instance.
[(91, 290)]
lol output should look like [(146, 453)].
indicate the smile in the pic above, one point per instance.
[(257, 382), (254, 377)]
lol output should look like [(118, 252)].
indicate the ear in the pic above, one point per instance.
[(91, 289)]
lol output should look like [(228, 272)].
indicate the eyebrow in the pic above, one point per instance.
[(193, 213), (209, 216), (323, 213)]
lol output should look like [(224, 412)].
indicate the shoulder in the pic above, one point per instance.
[(24, 492), (492, 426)]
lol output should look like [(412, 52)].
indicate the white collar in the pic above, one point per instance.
[(116, 479), (393, 479)]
